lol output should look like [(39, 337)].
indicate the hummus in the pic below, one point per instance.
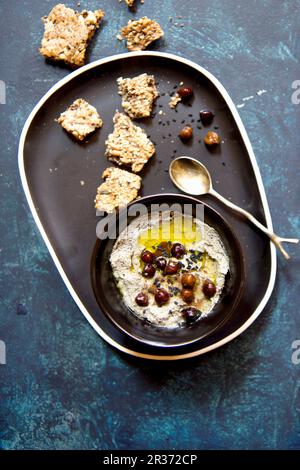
[(170, 268)]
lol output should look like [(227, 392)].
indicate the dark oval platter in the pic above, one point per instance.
[(60, 178)]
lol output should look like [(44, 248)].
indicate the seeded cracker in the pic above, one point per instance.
[(119, 189), (67, 34), (80, 119), (128, 144), (139, 34), (138, 95)]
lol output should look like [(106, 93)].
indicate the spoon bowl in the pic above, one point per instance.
[(192, 177)]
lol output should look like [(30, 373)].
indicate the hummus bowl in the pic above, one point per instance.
[(169, 272)]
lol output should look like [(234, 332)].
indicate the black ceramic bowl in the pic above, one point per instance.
[(110, 299)]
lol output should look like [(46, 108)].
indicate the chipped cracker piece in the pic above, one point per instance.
[(119, 189), (138, 95), (174, 100), (140, 33), (128, 144), (80, 119), (68, 33)]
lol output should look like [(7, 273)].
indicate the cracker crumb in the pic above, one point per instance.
[(174, 101), (119, 189), (140, 33), (80, 119), (67, 34), (128, 144), (130, 3), (138, 95)]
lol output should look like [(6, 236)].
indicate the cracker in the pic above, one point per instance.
[(119, 189), (68, 33), (128, 144), (140, 33), (138, 95), (80, 119)]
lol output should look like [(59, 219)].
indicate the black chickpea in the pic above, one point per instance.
[(206, 116), (142, 299), (190, 314), (172, 267), (161, 263), (147, 256), (162, 297), (209, 289), (148, 271), (178, 250), (185, 92)]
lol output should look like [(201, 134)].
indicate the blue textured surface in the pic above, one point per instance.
[(62, 386)]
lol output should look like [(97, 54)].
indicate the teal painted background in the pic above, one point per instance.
[(62, 386)]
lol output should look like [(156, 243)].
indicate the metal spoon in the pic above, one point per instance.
[(192, 177)]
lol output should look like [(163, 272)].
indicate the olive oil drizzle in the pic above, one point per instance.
[(178, 231)]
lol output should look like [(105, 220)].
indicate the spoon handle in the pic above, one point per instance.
[(275, 238)]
